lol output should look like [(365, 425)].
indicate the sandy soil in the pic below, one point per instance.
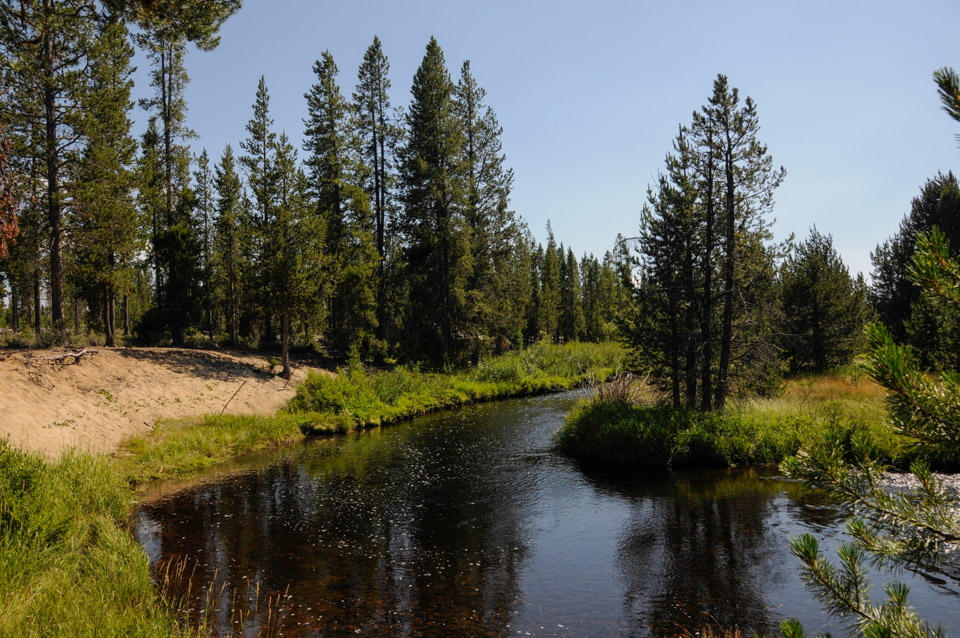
[(116, 393)]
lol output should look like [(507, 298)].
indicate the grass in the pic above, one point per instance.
[(361, 398), (68, 563), (836, 408), (68, 566)]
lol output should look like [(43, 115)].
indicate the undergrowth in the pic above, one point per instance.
[(837, 408)]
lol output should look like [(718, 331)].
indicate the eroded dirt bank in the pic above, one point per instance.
[(115, 393)]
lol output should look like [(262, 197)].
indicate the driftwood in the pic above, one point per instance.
[(67, 358)]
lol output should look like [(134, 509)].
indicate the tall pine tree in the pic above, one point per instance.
[(437, 260)]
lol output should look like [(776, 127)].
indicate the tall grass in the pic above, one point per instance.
[(837, 408), (366, 398), (68, 567)]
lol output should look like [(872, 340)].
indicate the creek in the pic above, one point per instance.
[(467, 523)]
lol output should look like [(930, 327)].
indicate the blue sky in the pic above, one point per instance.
[(590, 95)]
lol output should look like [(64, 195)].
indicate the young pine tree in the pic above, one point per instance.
[(377, 135), (228, 255)]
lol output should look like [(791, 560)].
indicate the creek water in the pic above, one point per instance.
[(467, 523)]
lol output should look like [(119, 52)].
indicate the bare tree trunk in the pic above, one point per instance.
[(126, 312), (706, 385), (14, 307), (109, 317), (285, 344), (37, 319)]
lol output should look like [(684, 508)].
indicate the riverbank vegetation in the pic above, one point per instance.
[(68, 565), (839, 407), (358, 398)]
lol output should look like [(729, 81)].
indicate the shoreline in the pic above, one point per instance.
[(70, 521)]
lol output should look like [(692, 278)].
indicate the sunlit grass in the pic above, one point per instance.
[(838, 407), (377, 397)]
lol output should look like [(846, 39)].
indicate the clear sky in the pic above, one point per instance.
[(590, 95)]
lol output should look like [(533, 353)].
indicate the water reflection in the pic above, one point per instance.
[(466, 524)]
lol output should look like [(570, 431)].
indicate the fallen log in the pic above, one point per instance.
[(68, 358)]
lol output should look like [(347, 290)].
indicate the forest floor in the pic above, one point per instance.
[(116, 393)]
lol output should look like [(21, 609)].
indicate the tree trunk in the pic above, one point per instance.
[(165, 66), (76, 312), (285, 344), (37, 319), (690, 326), (730, 247), (234, 323), (14, 307), (126, 312), (674, 352), (108, 316)]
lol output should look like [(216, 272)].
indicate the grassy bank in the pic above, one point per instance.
[(68, 564), (835, 408), (358, 398)]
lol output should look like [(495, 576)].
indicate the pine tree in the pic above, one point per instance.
[(495, 231), (824, 309), (291, 246), (228, 254), (105, 216), (549, 314), (437, 259), (203, 180), (665, 320), (9, 196), (748, 183), (43, 49), (351, 257), (911, 316), (571, 308), (914, 527), (259, 163), (378, 134), (152, 199)]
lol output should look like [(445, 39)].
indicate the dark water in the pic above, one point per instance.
[(467, 524)]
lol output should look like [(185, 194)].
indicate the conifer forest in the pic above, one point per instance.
[(710, 426)]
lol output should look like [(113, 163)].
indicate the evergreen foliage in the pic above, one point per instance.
[(437, 262), (378, 136), (351, 257), (228, 256), (703, 312), (824, 309), (913, 527), (105, 217), (912, 316), (394, 238)]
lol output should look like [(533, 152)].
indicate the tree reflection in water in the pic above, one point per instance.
[(467, 524)]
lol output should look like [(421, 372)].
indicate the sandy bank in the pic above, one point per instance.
[(120, 392)]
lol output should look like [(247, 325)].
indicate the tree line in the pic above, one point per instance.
[(389, 233)]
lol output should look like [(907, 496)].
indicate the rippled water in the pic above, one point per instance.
[(466, 523)]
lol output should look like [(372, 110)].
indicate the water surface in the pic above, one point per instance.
[(466, 523)]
